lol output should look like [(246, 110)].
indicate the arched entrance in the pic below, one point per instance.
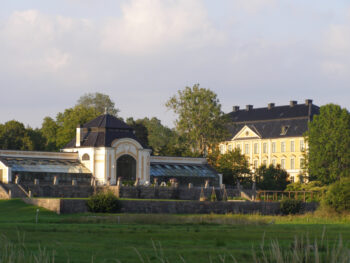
[(126, 168)]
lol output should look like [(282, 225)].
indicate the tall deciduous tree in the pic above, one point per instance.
[(49, 129), (99, 102), (200, 119), (271, 178), (13, 136), (69, 120), (232, 165), (329, 144)]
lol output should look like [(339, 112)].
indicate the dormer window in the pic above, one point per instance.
[(284, 129)]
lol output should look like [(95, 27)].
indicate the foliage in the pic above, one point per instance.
[(200, 120), (98, 101), (329, 144), (14, 136), (49, 130), (69, 120), (232, 165), (338, 195), (271, 178), (291, 207), (140, 129), (103, 202)]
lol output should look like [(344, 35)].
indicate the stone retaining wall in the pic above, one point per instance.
[(179, 193), (66, 206)]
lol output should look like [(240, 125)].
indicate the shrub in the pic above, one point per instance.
[(103, 202), (291, 207), (338, 196)]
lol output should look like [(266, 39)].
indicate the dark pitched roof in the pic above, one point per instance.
[(107, 121), (269, 122), (102, 131), (275, 113)]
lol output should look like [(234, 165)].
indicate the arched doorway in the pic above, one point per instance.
[(126, 168)]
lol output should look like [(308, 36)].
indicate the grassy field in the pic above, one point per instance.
[(134, 238)]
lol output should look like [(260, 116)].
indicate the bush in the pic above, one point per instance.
[(291, 207), (338, 196), (103, 202)]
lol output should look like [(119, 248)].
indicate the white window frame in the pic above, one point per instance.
[(256, 148), (292, 163), (283, 147), (302, 146), (273, 147), (292, 146), (264, 147), (283, 163), (246, 148)]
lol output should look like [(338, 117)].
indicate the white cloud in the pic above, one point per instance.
[(148, 26)]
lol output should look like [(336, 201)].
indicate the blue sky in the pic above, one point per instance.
[(140, 52)]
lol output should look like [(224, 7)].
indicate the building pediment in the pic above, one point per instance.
[(247, 133)]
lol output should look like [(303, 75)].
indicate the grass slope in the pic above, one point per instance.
[(105, 238)]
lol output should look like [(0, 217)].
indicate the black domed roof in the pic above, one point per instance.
[(102, 131), (107, 121)]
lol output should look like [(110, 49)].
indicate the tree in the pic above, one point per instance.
[(49, 130), (99, 102), (271, 178), (13, 136), (69, 120), (140, 129), (329, 144), (200, 119), (232, 165)]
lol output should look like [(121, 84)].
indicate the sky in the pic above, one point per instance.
[(141, 52)]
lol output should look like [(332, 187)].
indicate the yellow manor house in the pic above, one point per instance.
[(271, 135)]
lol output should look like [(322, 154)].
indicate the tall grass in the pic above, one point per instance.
[(18, 253)]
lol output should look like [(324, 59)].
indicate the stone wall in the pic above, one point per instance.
[(160, 192), (66, 206)]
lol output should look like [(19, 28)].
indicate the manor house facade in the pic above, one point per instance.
[(271, 135)]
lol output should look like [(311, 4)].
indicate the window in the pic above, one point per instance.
[(85, 157), (274, 162), (246, 148), (284, 130), (302, 163), (255, 164), (292, 179), (273, 146), (256, 148), (292, 148), (230, 147), (264, 162), (238, 147), (292, 163), (265, 147), (222, 149), (283, 147), (302, 145), (283, 163)]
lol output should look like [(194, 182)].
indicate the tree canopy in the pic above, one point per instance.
[(99, 102), (232, 165), (271, 178), (329, 144), (200, 120)]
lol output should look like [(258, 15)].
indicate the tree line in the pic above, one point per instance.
[(199, 127)]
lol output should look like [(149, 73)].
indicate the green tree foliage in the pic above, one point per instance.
[(338, 195), (69, 120), (14, 136), (200, 120), (329, 144), (232, 165), (37, 140), (49, 129), (140, 129), (99, 102), (271, 178)]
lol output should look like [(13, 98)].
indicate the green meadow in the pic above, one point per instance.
[(158, 238)]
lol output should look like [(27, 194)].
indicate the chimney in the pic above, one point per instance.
[(249, 107), (235, 108), (270, 105), (292, 103), (308, 102), (79, 136)]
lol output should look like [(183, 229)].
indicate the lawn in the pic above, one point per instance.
[(196, 238)]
